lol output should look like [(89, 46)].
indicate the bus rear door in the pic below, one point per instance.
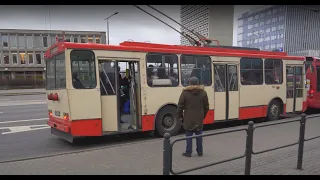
[(295, 86)]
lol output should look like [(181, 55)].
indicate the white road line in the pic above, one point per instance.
[(1, 112), (22, 104), (27, 120), (18, 129)]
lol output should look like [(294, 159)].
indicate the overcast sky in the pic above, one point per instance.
[(130, 23)]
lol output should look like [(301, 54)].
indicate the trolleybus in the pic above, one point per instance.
[(88, 97), (312, 69)]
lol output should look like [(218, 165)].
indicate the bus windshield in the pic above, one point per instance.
[(56, 72)]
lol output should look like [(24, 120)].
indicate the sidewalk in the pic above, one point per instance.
[(17, 92), (146, 157)]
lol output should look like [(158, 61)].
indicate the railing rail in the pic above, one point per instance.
[(168, 146)]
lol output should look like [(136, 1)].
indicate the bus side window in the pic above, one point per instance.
[(162, 70), (251, 71), (273, 71), (196, 66)]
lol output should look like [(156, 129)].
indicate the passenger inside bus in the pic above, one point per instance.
[(150, 74), (76, 81)]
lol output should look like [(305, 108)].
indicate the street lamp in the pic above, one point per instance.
[(106, 19)]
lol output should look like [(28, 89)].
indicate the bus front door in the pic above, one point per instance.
[(295, 86), (109, 78), (226, 92)]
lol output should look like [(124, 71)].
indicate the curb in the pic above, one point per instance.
[(21, 94)]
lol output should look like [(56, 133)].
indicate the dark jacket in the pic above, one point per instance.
[(193, 106)]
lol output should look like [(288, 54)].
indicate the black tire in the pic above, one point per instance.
[(166, 117), (274, 111)]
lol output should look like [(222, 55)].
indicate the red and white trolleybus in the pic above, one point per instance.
[(89, 96)]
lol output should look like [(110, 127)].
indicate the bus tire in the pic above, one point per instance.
[(274, 110), (167, 122)]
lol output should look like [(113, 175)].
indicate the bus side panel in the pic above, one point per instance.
[(85, 107), (252, 101)]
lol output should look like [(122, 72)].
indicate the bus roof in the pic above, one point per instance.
[(175, 49)]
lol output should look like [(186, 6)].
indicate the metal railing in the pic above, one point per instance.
[(168, 146)]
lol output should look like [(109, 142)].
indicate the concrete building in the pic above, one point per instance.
[(22, 51), (292, 28), (212, 21)]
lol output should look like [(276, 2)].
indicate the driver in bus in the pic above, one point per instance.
[(76, 81)]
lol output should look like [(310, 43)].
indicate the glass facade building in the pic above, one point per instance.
[(292, 28)]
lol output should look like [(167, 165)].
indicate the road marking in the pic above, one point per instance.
[(1, 112), (27, 120), (18, 129), (20, 104)]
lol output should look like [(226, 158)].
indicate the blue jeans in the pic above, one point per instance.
[(198, 141)]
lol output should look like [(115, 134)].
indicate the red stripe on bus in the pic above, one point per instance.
[(209, 118), (252, 112), (148, 122), (171, 49), (88, 127), (91, 127)]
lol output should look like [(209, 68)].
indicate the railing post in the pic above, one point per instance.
[(301, 140), (166, 154), (249, 148)]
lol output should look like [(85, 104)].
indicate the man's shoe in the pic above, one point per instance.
[(200, 154), (186, 154)]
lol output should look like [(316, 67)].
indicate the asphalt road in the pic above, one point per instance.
[(25, 134)]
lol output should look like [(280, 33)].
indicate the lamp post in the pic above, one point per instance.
[(106, 19)]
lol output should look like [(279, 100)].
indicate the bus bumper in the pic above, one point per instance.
[(312, 103), (59, 124), (76, 128)]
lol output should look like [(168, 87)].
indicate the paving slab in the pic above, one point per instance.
[(143, 158)]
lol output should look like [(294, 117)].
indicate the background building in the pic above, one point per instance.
[(22, 52), (212, 21), (293, 28)]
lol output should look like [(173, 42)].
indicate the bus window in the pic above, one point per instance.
[(251, 71), (309, 66), (50, 73), (56, 72), (107, 78), (83, 69), (318, 79), (60, 71), (299, 82), (273, 71), (162, 70), (196, 66)]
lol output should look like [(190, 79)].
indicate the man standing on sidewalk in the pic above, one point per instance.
[(193, 106)]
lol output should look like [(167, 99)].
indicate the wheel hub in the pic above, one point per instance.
[(274, 110), (168, 121)]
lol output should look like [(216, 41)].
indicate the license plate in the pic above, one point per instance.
[(57, 113)]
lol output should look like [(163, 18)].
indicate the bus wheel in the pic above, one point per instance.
[(166, 121), (274, 111)]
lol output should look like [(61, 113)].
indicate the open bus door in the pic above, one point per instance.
[(295, 86), (226, 90), (109, 95)]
